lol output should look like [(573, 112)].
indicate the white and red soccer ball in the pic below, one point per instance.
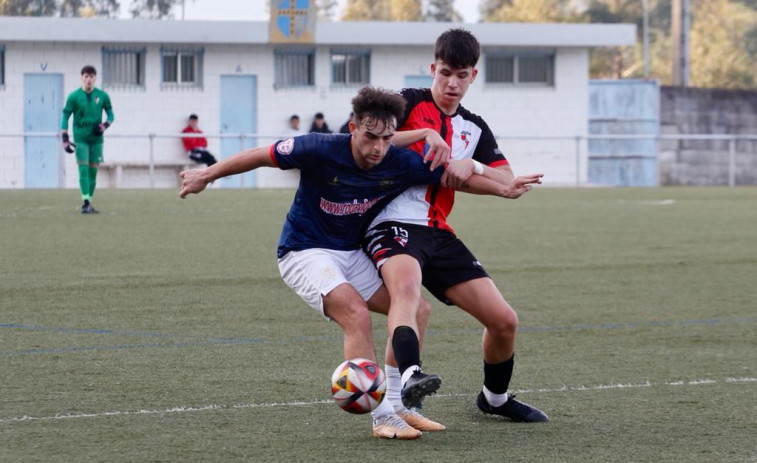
[(358, 385)]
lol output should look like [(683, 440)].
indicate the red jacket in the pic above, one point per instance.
[(191, 143)]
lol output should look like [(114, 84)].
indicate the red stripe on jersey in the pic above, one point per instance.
[(503, 162), (273, 155)]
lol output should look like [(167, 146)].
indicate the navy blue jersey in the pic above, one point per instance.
[(336, 199)]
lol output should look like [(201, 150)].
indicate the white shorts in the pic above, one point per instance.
[(314, 273)]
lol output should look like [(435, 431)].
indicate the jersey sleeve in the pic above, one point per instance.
[(108, 108), (487, 152), (68, 109), (302, 152), (417, 172)]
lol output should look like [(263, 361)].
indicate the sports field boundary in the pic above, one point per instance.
[(315, 402)]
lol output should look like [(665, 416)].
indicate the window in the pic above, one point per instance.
[(2, 66), (123, 68), (181, 68), (503, 67), (294, 68), (350, 67)]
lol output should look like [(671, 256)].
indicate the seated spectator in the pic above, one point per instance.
[(197, 147), (346, 127), (294, 125), (319, 124)]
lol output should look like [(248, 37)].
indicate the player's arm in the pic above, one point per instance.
[(195, 180), (438, 151), (483, 185), (68, 109)]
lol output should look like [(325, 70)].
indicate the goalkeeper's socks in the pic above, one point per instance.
[(92, 180), (84, 181)]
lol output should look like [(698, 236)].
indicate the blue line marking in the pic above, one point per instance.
[(202, 341)]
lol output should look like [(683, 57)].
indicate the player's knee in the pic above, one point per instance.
[(405, 289), (504, 325), (424, 311), (356, 318)]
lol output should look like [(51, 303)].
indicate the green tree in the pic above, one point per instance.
[(442, 11), (406, 10), (528, 11), (487, 8), (152, 9), (28, 8), (367, 10)]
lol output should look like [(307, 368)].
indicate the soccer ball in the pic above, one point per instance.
[(358, 385)]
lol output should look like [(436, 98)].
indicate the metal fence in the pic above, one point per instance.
[(574, 147)]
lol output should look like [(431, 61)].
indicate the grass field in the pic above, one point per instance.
[(159, 330)]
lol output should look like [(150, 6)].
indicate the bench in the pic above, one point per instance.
[(115, 169)]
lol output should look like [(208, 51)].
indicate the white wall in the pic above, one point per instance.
[(533, 111)]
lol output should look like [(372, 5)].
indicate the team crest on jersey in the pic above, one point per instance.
[(97, 100), (285, 147), (465, 137)]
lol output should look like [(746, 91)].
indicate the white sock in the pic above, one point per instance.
[(384, 408), (495, 400), (393, 387), (409, 372)]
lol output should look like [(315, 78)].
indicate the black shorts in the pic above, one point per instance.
[(444, 259)]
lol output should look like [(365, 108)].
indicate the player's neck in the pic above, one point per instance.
[(449, 110)]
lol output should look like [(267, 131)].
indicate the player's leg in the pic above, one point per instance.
[(207, 158), (397, 250), (82, 160), (364, 277), (344, 305), (95, 159), (460, 278), (379, 303)]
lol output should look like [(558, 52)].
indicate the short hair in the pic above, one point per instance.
[(458, 48), (294, 116), (193, 117), (319, 115), (88, 70), (379, 105)]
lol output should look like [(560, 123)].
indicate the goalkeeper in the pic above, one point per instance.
[(87, 105)]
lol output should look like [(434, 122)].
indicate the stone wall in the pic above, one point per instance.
[(707, 111)]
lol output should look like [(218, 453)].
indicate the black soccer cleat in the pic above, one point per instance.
[(88, 209), (417, 387), (513, 409)]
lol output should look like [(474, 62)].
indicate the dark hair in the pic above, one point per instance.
[(319, 115), (378, 105), (458, 48), (193, 116), (294, 116), (88, 70)]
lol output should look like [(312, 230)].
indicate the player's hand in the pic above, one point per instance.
[(100, 129), (68, 145), (522, 185), (457, 173), (438, 151), (193, 181)]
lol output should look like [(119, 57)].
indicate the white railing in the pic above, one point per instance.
[(577, 141)]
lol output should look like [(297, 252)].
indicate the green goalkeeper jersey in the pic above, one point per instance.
[(87, 109)]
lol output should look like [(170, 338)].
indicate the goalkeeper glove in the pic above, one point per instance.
[(99, 129), (68, 145)]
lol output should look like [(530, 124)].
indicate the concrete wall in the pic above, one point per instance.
[(707, 111), (559, 110)]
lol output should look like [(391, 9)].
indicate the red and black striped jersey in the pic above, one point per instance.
[(468, 136)]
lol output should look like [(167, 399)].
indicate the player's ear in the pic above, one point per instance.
[(352, 126), (473, 75), (433, 68)]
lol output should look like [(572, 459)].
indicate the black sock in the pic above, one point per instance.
[(407, 350), (497, 375), (86, 202)]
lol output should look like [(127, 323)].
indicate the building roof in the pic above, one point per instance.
[(100, 30)]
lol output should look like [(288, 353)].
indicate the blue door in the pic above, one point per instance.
[(419, 81), (43, 106), (625, 107), (238, 116)]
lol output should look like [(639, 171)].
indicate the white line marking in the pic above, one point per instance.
[(213, 407)]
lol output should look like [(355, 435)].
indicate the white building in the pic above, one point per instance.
[(532, 81)]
